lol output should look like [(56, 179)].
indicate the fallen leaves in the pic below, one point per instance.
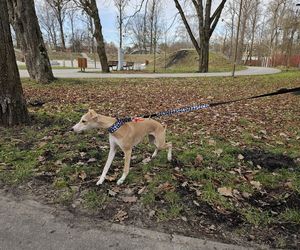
[(129, 199), (120, 216), (241, 157), (225, 191), (82, 175), (198, 160), (218, 152), (256, 184)]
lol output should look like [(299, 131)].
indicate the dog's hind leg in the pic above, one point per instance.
[(152, 141), (111, 156), (160, 143), (126, 166)]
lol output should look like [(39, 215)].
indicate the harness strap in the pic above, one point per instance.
[(120, 122)]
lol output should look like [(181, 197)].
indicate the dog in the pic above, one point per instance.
[(126, 137)]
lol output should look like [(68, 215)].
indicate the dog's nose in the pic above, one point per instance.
[(72, 129)]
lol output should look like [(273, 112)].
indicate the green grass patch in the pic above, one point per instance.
[(94, 199)]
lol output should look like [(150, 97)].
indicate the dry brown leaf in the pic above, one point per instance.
[(241, 157), (218, 152), (129, 199), (198, 160), (120, 216), (165, 187), (256, 184), (82, 175), (91, 160), (142, 190), (211, 142), (225, 191)]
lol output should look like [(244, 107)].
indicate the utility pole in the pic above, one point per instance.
[(237, 38)]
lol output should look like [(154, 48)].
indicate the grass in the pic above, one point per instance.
[(189, 63), (93, 200), (23, 67), (219, 135)]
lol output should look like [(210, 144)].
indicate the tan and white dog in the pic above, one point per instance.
[(126, 137)]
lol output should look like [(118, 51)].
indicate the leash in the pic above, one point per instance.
[(120, 122)]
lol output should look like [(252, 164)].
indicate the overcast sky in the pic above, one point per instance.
[(108, 14)]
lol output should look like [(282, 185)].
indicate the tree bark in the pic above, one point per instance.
[(100, 41), (207, 24), (13, 109), (24, 20), (90, 7)]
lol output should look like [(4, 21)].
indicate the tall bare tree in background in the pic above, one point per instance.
[(13, 109), (121, 5), (90, 7), (254, 17), (207, 22), (71, 14), (60, 8), (290, 25), (25, 23), (49, 24)]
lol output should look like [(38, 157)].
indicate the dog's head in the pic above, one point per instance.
[(88, 121)]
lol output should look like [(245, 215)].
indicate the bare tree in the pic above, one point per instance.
[(90, 7), (254, 20), (72, 13), (60, 8), (24, 20), (13, 109), (121, 5), (289, 26), (207, 22), (49, 24)]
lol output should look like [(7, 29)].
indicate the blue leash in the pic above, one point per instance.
[(120, 122)]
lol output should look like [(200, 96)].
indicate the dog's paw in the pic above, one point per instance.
[(120, 181), (101, 180)]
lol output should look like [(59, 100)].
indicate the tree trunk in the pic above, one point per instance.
[(13, 109), (24, 20), (206, 24), (99, 37), (204, 56), (62, 36)]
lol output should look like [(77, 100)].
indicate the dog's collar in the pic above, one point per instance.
[(120, 122)]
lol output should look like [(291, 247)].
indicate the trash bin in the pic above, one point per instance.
[(82, 63)]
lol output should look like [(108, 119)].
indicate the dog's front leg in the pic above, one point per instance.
[(126, 166), (111, 156)]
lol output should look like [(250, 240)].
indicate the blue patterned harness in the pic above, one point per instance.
[(120, 122)]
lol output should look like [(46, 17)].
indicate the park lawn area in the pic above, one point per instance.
[(186, 61), (235, 173), (22, 67)]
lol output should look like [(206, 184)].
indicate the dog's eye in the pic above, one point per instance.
[(83, 121)]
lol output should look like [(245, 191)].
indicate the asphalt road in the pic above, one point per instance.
[(29, 225), (90, 73)]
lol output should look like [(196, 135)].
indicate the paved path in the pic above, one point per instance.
[(90, 73), (27, 225)]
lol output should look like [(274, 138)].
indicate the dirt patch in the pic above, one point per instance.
[(176, 57), (268, 160), (270, 201)]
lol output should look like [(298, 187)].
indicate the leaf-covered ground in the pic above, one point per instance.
[(235, 175)]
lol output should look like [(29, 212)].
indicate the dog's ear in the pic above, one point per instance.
[(92, 113)]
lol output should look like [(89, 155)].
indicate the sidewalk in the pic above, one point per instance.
[(27, 224), (90, 73)]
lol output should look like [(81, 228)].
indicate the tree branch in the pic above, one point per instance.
[(187, 26)]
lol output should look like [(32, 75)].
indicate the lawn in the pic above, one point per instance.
[(186, 61), (235, 175)]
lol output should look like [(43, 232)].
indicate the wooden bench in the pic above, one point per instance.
[(113, 65), (128, 65)]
